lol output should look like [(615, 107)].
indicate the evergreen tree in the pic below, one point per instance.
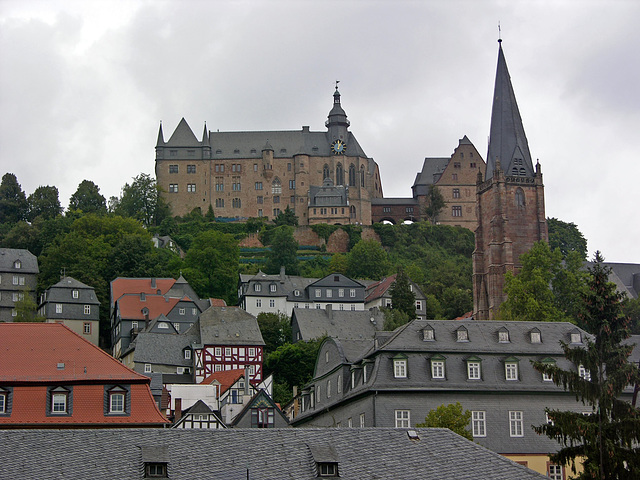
[(26, 309), (13, 201), (283, 252), (141, 200), (368, 259), (607, 440), (287, 217), (402, 297)]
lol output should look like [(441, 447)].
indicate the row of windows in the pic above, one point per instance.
[(329, 292), (173, 188), (87, 308), (462, 335), (175, 168), (326, 173)]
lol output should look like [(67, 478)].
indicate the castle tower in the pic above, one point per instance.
[(510, 200)]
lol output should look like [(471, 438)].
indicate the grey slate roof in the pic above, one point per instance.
[(507, 140), (431, 169), (268, 454), (228, 326), (343, 324), (61, 292), (626, 276), (163, 348), (9, 255)]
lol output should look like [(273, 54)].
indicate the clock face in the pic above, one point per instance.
[(338, 147)]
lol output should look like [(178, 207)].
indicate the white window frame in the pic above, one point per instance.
[(400, 368), (516, 424), (272, 303), (57, 406), (147, 368), (58, 308), (116, 407), (474, 370), (511, 371), (584, 373), (362, 419), (87, 309), (258, 302), (3, 402), (479, 423), (437, 368), (75, 293), (403, 418), (187, 354), (273, 287), (341, 292), (554, 472), (182, 311), (352, 292), (257, 287), (339, 384)]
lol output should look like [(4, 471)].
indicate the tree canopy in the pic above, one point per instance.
[(402, 297), (13, 201), (607, 439), (88, 199), (435, 204), (566, 237), (368, 259), (450, 416), (142, 200), (44, 202), (286, 217), (283, 252)]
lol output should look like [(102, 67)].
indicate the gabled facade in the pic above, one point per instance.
[(199, 416), (261, 412), (310, 324), (510, 201), (282, 293), (235, 392), (378, 295), (259, 174), (18, 277), (51, 377), (75, 304), (230, 339), (395, 379)]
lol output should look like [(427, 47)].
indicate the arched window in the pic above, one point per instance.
[(352, 211), (362, 176), (276, 186), (520, 200), (339, 174), (325, 171), (352, 175)]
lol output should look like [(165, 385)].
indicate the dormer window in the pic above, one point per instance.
[(437, 366), (511, 369), (60, 400), (428, 335), (187, 354), (545, 376), (272, 287), (154, 470), (474, 368), (536, 336), (327, 469), (503, 335), (296, 293), (75, 293), (400, 366), (257, 287), (576, 337), (462, 334), (163, 325)]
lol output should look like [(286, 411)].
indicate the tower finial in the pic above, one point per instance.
[(337, 82), (499, 33)]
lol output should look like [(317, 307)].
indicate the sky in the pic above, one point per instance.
[(84, 86)]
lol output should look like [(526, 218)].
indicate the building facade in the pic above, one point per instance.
[(75, 304), (510, 201), (258, 174), (18, 277)]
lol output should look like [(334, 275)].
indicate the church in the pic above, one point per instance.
[(324, 177)]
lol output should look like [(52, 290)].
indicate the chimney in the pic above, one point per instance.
[(153, 283), (246, 380), (282, 275), (329, 310), (177, 413), (296, 406)]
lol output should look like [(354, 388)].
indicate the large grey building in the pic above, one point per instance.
[(395, 379), (75, 304), (18, 276)]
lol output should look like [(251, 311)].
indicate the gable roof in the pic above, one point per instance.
[(60, 292), (149, 286), (270, 454), (228, 326), (260, 399), (32, 352), (163, 348), (131, 306), (378, 289), (226, 378), (344, 324)]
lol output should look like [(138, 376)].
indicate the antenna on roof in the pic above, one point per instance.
[(499, 33)]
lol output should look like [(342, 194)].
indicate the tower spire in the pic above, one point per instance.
[(160, 140), (507, 140)]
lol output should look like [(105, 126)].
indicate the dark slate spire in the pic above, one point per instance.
[(205, 135), (160, 141), (507, 141), (183, 136)]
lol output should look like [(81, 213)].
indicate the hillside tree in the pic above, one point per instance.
[(435, 204), (88, 199), (402, 297), (450, 416), (13, 201)]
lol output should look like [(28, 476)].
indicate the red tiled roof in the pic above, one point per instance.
[(378, 289), (31, 352), (130, 306), (226, 378), (217, 302), (120, 286)]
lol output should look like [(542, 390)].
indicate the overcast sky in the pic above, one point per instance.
[(85, 84)]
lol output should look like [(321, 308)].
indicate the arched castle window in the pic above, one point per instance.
[(325, 171), (352, 211), (518, 167), (352, 175), (362, 176), (520, 198), (276, 186), (339, 174)]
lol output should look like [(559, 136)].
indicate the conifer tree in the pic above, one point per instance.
[(402, 298), (607, 439)]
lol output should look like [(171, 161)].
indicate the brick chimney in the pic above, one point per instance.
[(329, 310), (177, 413)]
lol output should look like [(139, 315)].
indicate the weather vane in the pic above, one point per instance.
[(499, 33), (337, 82)]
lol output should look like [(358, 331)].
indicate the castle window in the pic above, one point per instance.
[(325, 171), (520, 199), (260, 199), (276, 199), (191, 169), (511, 368), (173, 168), (454, 176), (456, 165), (428, 334), (292, 184), (456, 211), (362, 176), (386, 209), (474, 371), (456, 193), (276, 212), (288, 167), (352, 175), (535, 336), (472, 164), (503, 335), (191, 187), (276, 187), (219, 202), (236, 203), (173, 188), (462, 335), (17, 264), (400, 366), (258, 185), (75, 293), (219, 184), (339, 174)]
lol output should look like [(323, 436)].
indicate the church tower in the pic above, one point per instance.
[(510, 200)]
